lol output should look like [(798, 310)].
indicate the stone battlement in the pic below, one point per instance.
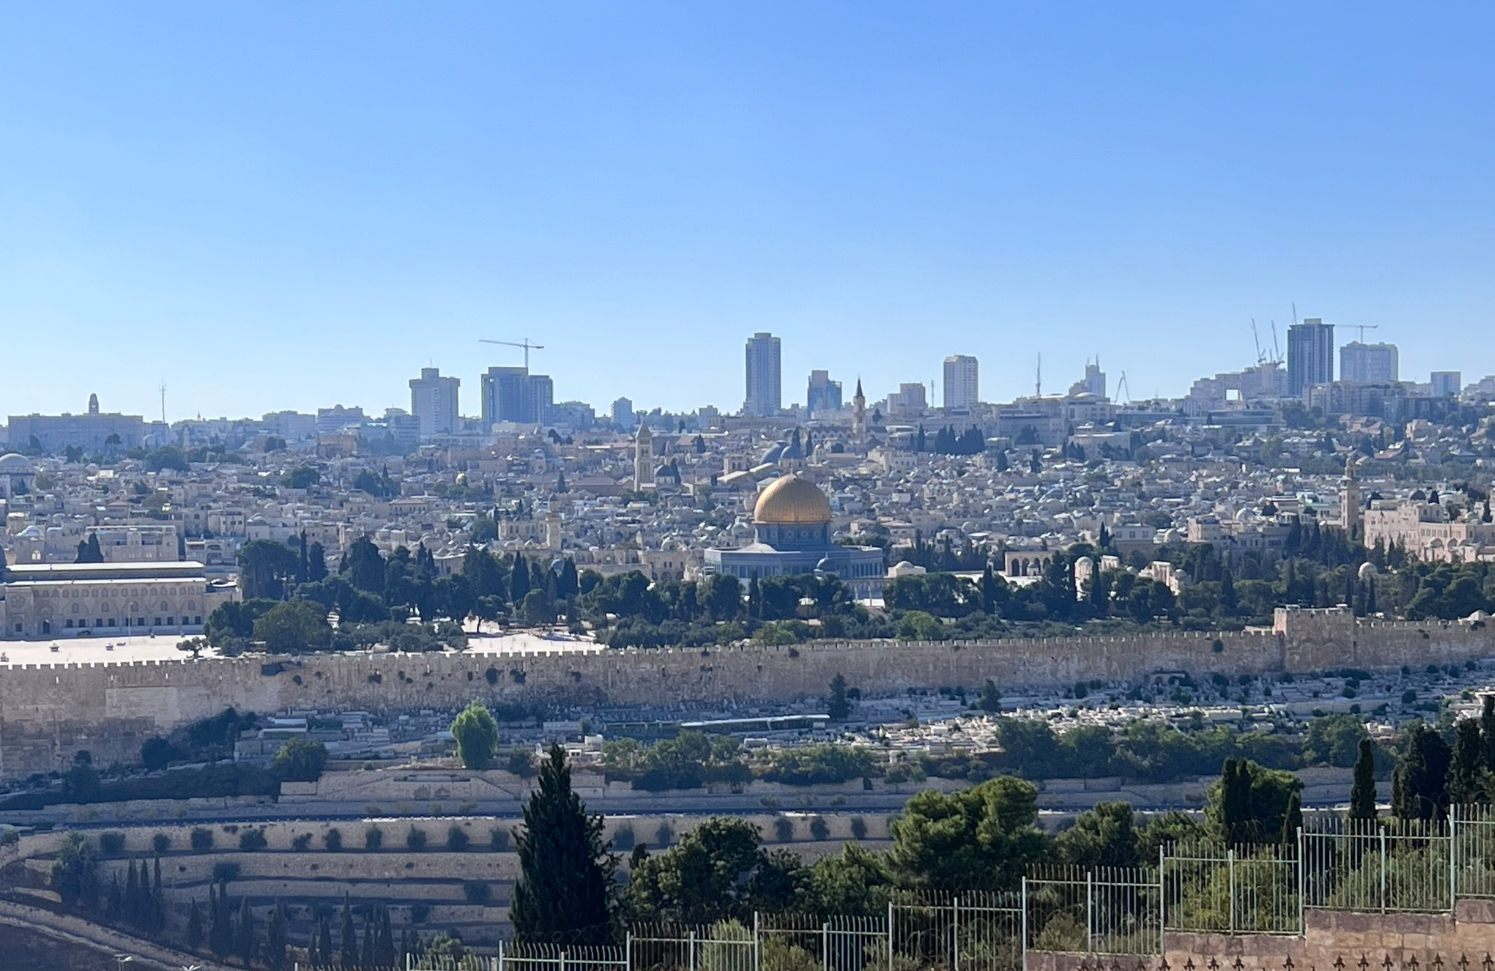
[(47, 712)]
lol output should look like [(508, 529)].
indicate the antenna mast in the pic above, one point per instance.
[(163, 402), (1038, 379)]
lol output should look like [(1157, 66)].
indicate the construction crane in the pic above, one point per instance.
[(1276, 351), (1123, 393), (1362, 328), (1260, 357), (524, 344)]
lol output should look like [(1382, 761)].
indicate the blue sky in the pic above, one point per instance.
[(288, 205)]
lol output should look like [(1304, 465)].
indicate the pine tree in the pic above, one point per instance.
[(1363, 791), (194, 926), (565, 871), (347, 937), (1421, 785)]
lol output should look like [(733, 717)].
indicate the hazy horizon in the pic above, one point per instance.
[(286, 206)]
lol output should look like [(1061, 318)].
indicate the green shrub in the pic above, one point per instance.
[(783, 828), (112, 843), (456, 839), (301, 843), (252, 839), (858, 828), (160, 843), (498, 839), (663, 836), (202, 839), (225, 872), (333, 840), (415, 840), (373, 838), (476, 891), (819, 828), (623, 838)]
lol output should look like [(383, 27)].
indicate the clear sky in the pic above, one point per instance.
[(286, 205)]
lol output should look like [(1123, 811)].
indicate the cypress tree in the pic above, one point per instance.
[(1487, 732), (116, 901), (144, 901), (1422, 792), (244, 933), (366, 955), (384, 947), (1363, 791), (220, 927), (1292, 821), (158, 902), (194, 926), (1466, 763), (275, 937), (518, 580), (565, 870), (324, 939), (132, 896), (347, 937)]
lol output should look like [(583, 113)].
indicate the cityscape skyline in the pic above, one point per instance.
[(212, 185)]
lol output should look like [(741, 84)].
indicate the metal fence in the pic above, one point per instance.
[(1102, 910), (1379, 866)]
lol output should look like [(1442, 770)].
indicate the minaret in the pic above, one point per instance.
[(859, 414), (643, 459), (1349, 500)]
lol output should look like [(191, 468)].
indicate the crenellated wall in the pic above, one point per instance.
[(48, 712)]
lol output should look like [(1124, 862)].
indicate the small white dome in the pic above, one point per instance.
[(14, 463), (1367, 572)]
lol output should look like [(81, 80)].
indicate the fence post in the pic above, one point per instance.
[(955, 933), (757, 941), (890, 936), (1162, 904), (627, 950), (561, 963), (409, 958), (1230, 885), (1383, 870), (1022, 926), (1453, 849), (691, 951), (825, 945), (1302, 885), (1089, 912)]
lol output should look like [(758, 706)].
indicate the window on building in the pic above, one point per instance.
[(158, 621)]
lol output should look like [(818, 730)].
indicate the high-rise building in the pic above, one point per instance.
[(513, 394), (823, 395), (433, 400), (623, 413), (332, 420), (1368, 363), (1095, 379), (1310, 355), (1447, 384), (764, 389), (961, 383)]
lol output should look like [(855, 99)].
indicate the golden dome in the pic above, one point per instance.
[(792, 501)]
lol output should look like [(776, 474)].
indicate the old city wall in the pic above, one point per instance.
[(48, 712)]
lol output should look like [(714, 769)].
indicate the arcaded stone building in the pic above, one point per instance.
[(116, 599)]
